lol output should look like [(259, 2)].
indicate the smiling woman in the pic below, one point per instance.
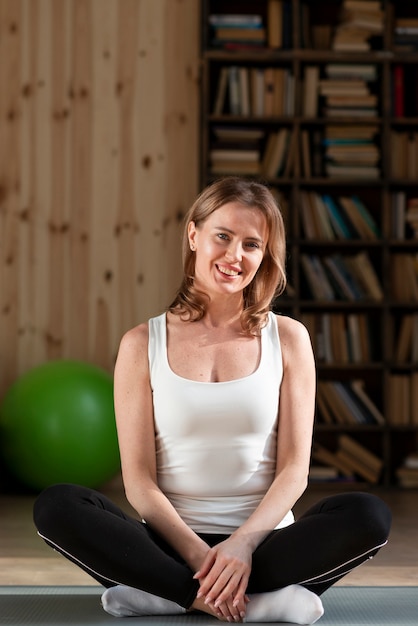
[(214, 403)]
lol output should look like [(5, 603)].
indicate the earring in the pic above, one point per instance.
[(192, 247)]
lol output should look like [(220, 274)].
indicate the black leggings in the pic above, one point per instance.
[(334, 536)]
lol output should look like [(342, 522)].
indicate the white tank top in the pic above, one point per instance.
[(216, 442)]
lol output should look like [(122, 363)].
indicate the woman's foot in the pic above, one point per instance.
[(122, 601), (291, 604)]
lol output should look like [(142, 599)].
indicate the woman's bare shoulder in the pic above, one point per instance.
[(294, 335), (134, 342)]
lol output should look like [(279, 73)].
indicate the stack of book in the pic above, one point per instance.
[(403, 399), (406, 34), (346, 217), (347, 90), (360, 21), (351, 459), (237, 31), (351, 152), (347, 93), (236, 150), (407, 474), (340, 338), (341, 277)]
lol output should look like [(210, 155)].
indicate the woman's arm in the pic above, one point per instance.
[(136, 435), (226, 568)]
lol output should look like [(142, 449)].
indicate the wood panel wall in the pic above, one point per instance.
[(98, 164)]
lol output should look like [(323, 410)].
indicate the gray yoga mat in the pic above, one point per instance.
[(80, 606)]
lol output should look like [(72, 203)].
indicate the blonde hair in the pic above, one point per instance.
[(270, 279)]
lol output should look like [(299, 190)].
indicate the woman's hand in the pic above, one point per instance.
[(223, 577)]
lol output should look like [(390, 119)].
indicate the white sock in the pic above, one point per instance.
[(122, 601), (291, 604)]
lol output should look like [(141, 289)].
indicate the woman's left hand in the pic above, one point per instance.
[(224, 574)]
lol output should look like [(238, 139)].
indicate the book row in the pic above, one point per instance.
[(329, 218), (403, 399), (348, 277), (336, 152), (342, 338), (356, 27), (334, 90), (346, 404), (353, 338), (352, 277), (254, 91)]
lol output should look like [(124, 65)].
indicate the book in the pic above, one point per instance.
[(399, 394), (310, 91), (360, 218), (365, 274), (316, 277), (235, 167), (234, 90), (274, 158), (414, 399), (275, 23), (405, 338), (358, 388), (398, 91), (239, 33), (257, 91), (237, 133), (338, 222), (306, 156), (319, 473), (363, 461), (221, 92), (352, 171), (235, 19)]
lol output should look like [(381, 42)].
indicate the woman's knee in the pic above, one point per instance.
[(377, 514), (54, 505), (370, 516)]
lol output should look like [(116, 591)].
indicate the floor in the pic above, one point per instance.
[(26, 560)]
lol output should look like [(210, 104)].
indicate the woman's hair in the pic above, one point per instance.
[(270, 279)]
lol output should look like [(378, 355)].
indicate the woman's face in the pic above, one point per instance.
[(229, 248)]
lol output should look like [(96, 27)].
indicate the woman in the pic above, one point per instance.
[(214, 407)]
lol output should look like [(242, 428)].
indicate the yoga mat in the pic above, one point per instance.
[(80, 606)]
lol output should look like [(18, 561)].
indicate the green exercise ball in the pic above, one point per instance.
[(57, 424)]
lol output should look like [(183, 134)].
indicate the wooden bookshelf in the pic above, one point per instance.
[(320, 101)]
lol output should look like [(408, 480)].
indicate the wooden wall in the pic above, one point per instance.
[(98, 164)]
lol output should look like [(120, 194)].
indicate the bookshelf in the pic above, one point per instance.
[(319, 99)]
